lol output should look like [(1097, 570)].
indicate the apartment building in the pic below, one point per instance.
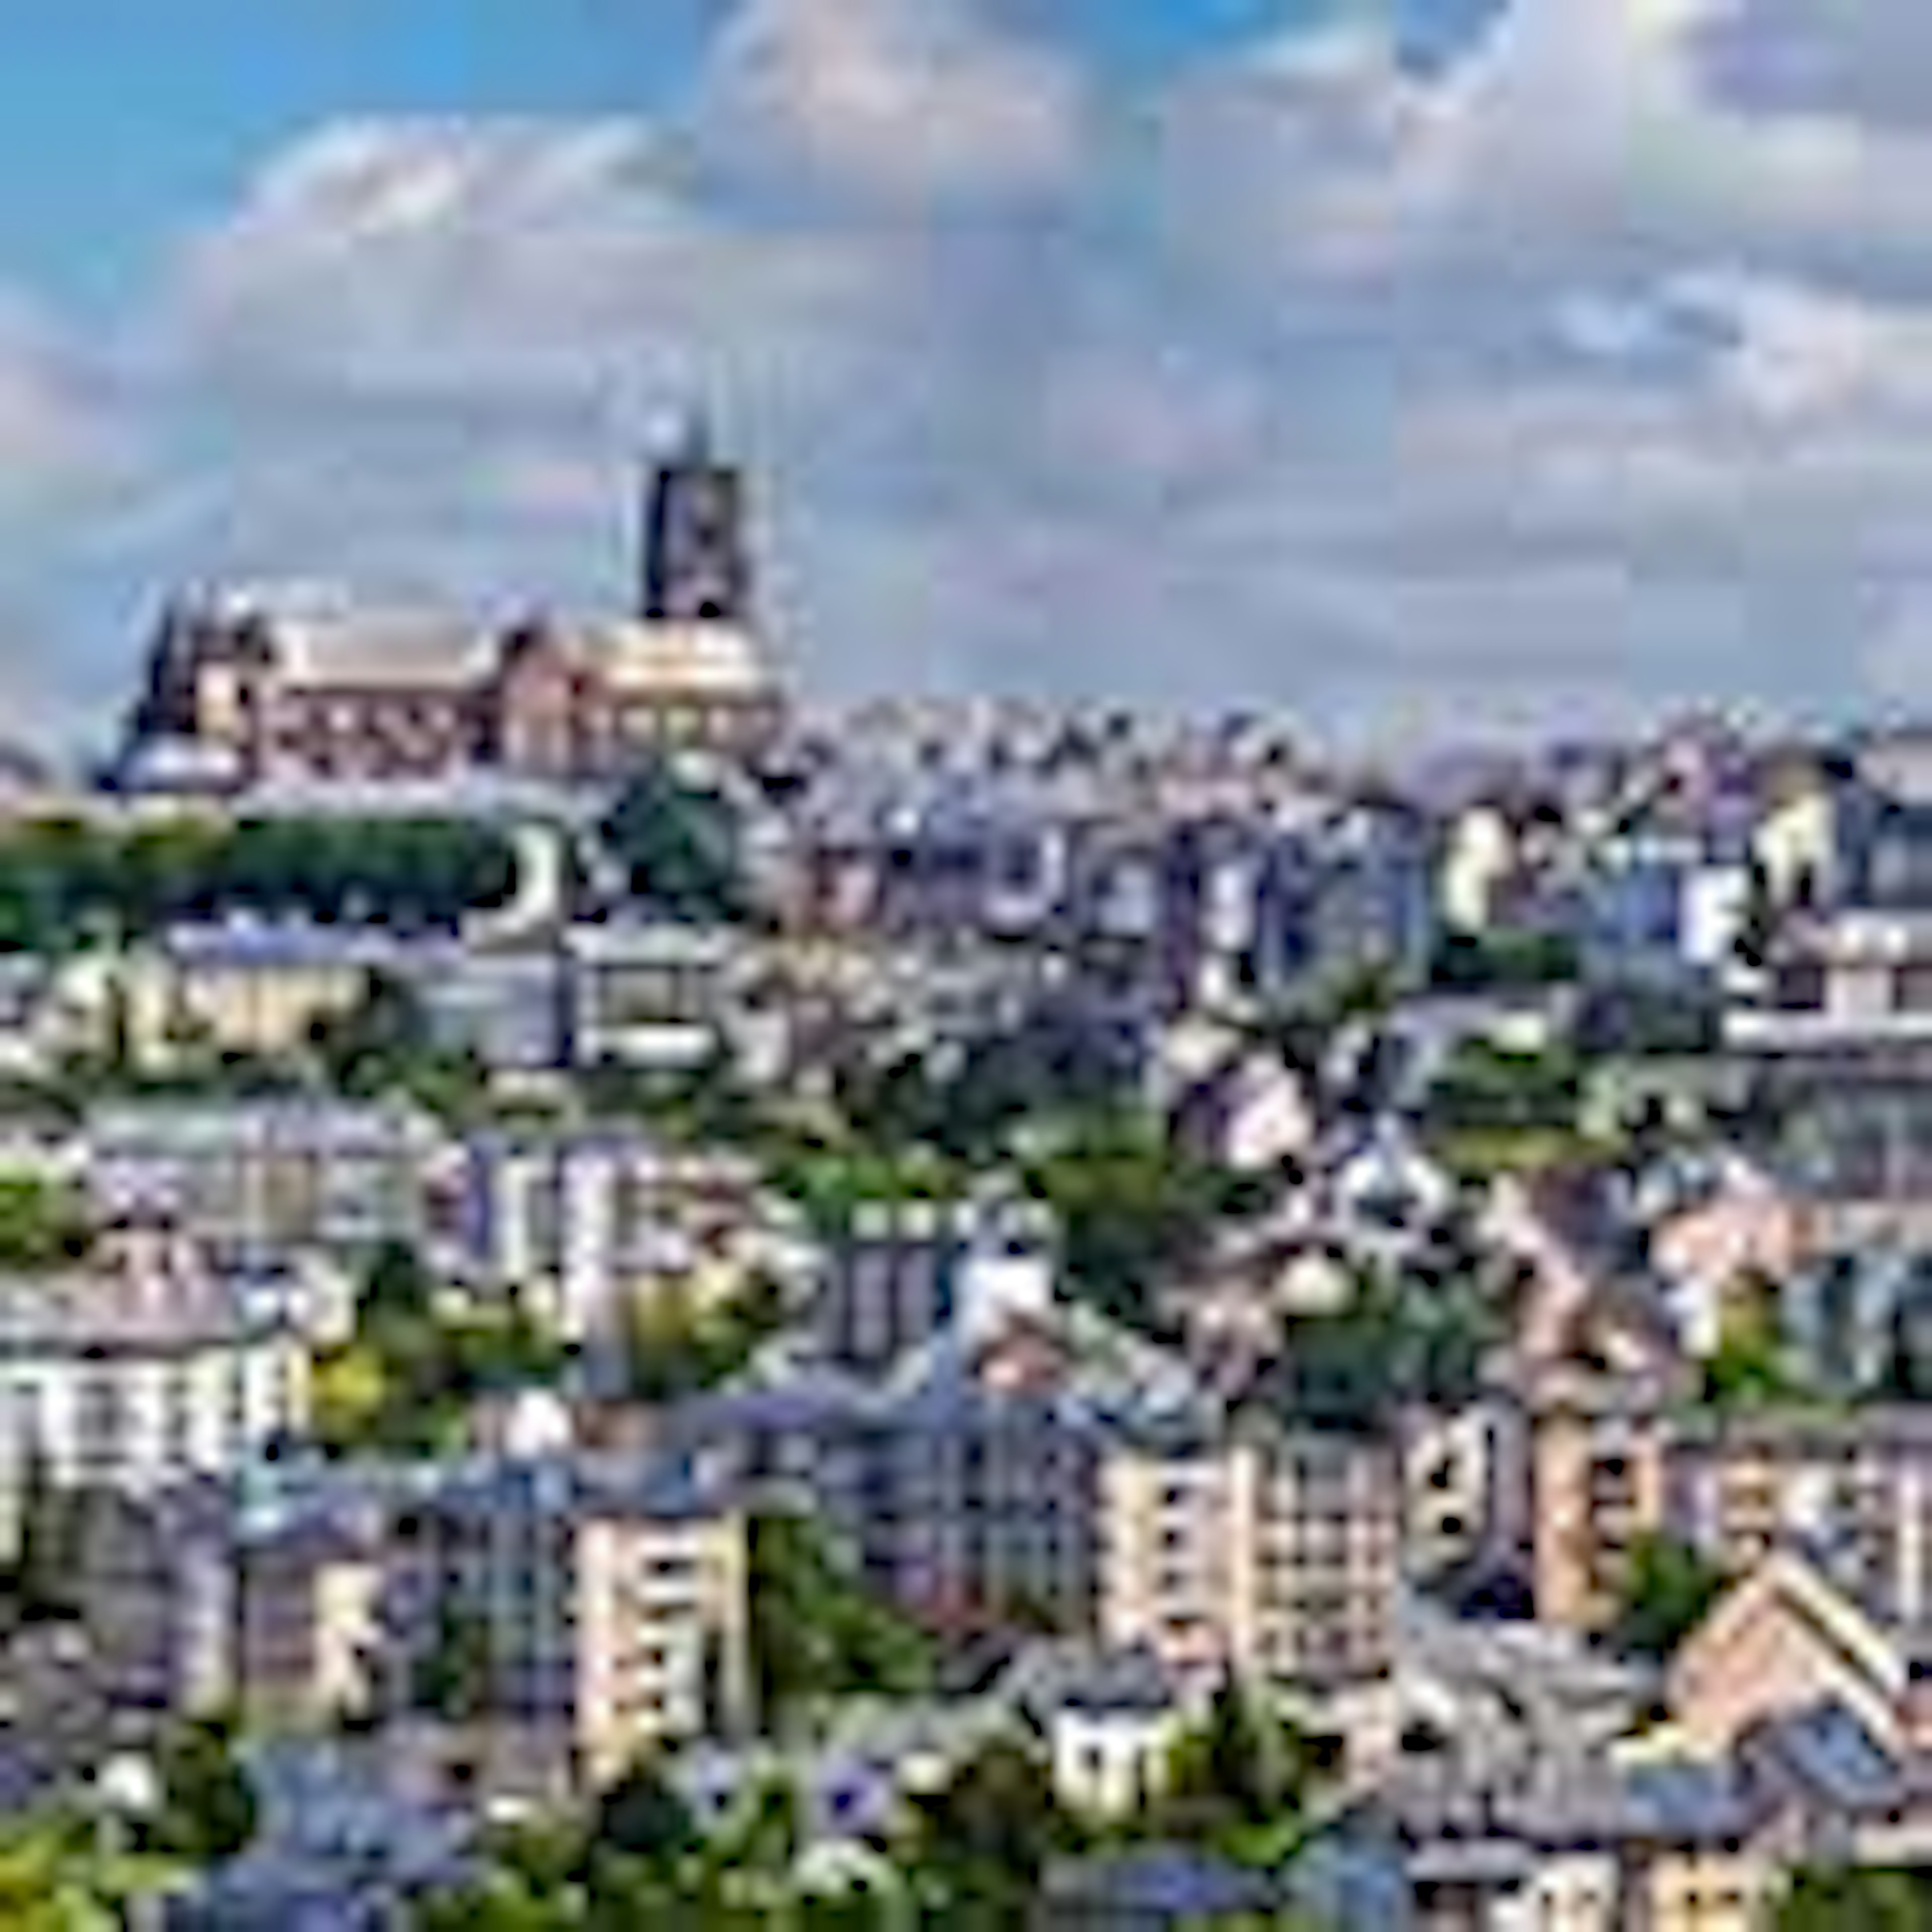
[(599, 1610), (963, 1482), (596, 1219), (1682, 1847), (301, 1624), (1596, 1483), (264, 1177), (145, 1363), (1276, 1553), (1853, 1490), (896, 1275)]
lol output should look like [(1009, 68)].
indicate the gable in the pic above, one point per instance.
[(1782, 1640)]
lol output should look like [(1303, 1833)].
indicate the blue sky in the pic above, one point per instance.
[(1202, 352), (116, 131)]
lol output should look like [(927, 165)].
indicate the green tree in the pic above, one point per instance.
[(546, 1853), (1748, 1370), (642, 1817), (369, 1047), (1132, 1209), (1396, 1344), (814, 1631), (1824, 1899), (398, 1288), (54, 1878), (680, 847), (988, 1835), (1668, 1589), (1469, 961), (42, 1224), (452, 1677), (500, 1901), (673, 1350), (1758, 921), (855, 1908), (208, 1809), (36, 1581), (1489, 1088), (1242, 1766)]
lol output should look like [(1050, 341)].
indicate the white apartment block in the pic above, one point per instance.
[(141, 1366)]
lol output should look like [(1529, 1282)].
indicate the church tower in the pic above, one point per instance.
[(696, 567)]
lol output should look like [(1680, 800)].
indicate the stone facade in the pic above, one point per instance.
[(276, 690)]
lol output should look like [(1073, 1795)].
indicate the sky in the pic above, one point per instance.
[(1454, 368)]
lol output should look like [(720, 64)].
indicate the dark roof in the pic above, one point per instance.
[(1074, 1676), (1173, 1882), (1831, 1755)]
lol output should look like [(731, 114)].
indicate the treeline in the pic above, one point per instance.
[(60, 882)]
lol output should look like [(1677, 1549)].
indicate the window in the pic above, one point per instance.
[(1911, 989)]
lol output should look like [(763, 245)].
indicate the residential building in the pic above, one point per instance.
[(1276, 1554), (1109, 1720), (257, 1178), (661, 997), (1780, 1642), (591, 1223), (144, 1363), (606, 1605), (894, 1279), (1853, 1490), (963, 1482)]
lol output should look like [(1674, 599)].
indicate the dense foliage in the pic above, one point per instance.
[(985, 1840), (60, 882), (815, 1631), (1669, 1590), (1395, 1346), (42, 1224), (1131, 1207), (1503, 960), (673, 1350), (679, 848), (1490, 1088), (1828, 1900), (402, 1385), (208, 1809), (1240, 1771)]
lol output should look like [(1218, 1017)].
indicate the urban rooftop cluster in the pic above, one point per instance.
[(624, 1302)]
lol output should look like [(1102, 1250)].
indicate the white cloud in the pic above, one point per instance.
[(59, 437), (1571, 376), (1570, 132), (506, 262), (1870, 59), (915, 101)]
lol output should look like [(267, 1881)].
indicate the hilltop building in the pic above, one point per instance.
[(244, 690)]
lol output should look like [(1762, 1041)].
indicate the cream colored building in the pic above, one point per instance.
[(608, 1599), (1276, 1555), (1482, 856), (662, 1605), (1782, 1640), (1610, 1466), (1705, 1888), (1596, 1487)]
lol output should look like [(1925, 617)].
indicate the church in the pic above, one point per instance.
[(244, 690)]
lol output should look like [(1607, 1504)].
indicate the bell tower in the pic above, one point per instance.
[(696, 567)]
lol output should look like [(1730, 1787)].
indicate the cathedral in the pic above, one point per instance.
[(262, 691)]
